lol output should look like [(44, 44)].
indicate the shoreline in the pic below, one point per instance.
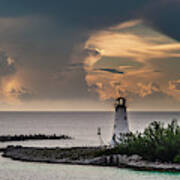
[(69, 156)]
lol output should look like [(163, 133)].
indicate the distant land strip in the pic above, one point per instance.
[(21, 137)]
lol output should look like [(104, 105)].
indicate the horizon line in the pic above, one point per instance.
[(130, 110)]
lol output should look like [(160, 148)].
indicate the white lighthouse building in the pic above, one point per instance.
[(120, 122)]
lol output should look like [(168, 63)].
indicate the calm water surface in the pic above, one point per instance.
[(82, 126)]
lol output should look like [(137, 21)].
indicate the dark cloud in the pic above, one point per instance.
[(74, 66), (7, 66), (157, 71), (90, 52), (174, 85), (21, 93), (79, 13), (164, 16), (61, 73), (43, 35), (177, 85), (110, 70)]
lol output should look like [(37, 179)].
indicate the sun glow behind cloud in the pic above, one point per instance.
[(137, 44), (10, 86)]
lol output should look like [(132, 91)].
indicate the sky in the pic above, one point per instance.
[(81, 55)]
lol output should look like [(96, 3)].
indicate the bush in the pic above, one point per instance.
[(177, 159), (156, 143)]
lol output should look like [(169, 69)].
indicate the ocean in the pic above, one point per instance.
[(82, 126)]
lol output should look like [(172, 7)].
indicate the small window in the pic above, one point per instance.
[(125, 117)]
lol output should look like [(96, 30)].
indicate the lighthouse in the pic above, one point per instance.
[(120, 121)]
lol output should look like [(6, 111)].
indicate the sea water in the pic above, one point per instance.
[(82, 126)]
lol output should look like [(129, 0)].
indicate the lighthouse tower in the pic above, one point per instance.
[(120, 122)]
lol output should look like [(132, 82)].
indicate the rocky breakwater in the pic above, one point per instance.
[(9, 138), (134, 162), (85, 156)]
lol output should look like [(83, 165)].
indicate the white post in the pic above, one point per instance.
[(99, 135)]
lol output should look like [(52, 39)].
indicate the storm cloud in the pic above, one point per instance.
[(110, 70), (49, 41)]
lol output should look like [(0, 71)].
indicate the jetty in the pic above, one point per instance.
[(85, 156), (9, 138)]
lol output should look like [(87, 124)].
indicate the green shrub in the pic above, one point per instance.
[(156, 143), (177, 159)]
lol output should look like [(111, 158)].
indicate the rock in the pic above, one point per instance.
[(134, 158)]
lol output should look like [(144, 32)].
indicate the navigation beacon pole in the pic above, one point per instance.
[(100, 137)]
